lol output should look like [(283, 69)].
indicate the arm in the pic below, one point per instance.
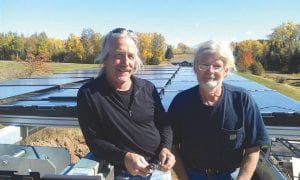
[(249, 163), (136, 164), (166, 158), (93, 131), (179, 166), (162, 122)]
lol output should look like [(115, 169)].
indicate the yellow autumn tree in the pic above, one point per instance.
[(144, 45)]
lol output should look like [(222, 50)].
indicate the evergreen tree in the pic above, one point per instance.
[(169, 53)]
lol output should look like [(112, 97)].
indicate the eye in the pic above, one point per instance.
[(131, 56), (217, 66)]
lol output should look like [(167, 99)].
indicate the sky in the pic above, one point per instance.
[(179, 21)]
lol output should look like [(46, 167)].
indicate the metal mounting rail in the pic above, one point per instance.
[(39, 121)]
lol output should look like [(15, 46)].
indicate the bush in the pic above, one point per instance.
[(281, 80), (256, 68), (153, 61)]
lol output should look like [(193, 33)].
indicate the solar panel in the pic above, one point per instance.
[(10, 91), (42, 81), (58, 98), (154, 76)]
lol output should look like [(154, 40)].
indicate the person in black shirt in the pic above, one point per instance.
[(218, 129), (122, 117)]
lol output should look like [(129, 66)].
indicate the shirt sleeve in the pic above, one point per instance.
[(172, 116), (162, 122), (256, 133), (91, 128)]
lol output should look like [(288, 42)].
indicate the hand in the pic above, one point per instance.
[(136, 164), (166, 159)]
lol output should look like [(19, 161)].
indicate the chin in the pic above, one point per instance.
[(124, 79), (210, 84)]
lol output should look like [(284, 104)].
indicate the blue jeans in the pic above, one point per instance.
[(197, 175), (156, 175)]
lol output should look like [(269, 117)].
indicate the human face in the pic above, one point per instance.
[(210, 71), (121, 60)]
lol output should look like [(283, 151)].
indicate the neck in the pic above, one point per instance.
[(123, 86), (210, 96)]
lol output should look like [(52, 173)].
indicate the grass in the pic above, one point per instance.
[(283, 88), (12, 69), (182, 57), (63, 67)]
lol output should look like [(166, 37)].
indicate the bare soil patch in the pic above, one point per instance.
[(69, 138)]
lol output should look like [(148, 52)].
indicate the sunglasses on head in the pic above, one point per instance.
[(121, 30)]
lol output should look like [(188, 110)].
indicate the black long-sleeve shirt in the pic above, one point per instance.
[(112, 129)]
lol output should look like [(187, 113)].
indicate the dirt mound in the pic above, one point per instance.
[(70, 138)]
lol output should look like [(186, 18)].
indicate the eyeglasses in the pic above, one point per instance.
[(121, 30), (204, 67)]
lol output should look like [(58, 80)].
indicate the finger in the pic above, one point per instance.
[(170, 161), (163, 159), (144, 166), (142, 173), (143, 162)]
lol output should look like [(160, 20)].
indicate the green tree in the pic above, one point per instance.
[(158, 47), (42, 46), (57, 49), (74, 49), (283, 43), (86, 36), (30, 44), (257, 68), (169, 53), (95, 43)]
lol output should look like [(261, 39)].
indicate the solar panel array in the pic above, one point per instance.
[(51, 100)]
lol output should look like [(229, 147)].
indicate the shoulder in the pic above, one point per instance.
[(235, 90), (143, 83), (187, 94), (91, 85)]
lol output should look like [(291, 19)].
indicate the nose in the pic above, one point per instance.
[(211, 69), (125, 60)]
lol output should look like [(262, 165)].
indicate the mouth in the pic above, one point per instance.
[(211, 78), (124, 70)]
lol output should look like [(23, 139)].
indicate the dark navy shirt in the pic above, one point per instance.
[(216, 136)]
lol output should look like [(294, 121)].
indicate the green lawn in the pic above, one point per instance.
[(283, 88), (63, 67), (13, 69)]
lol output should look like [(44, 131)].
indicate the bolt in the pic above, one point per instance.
[(4, 162)]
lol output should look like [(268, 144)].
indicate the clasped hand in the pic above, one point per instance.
[(137, 165)]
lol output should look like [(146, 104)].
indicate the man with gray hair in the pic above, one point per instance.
[(122, 117), (218, 129)]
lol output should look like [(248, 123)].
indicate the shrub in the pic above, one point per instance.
[(153, 61), (36, 65), (256, 68), (281, 80)]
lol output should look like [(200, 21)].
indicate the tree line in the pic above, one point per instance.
[(78, 49), (280, 52)]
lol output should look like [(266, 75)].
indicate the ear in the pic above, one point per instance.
[(226, 70)]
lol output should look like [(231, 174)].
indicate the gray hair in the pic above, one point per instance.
[(105, 47), (220, 48)]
